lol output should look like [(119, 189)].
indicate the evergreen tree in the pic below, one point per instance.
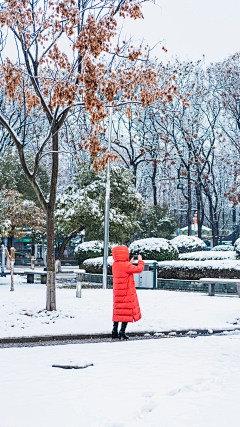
[(158, 222), (82, 206), (12, 176)]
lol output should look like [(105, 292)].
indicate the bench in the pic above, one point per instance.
[(30, 276), (212, 282)]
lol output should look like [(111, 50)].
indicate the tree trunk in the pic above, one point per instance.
[(134, 174), (199, 221), (51, 274), (51, 291), (234, 237), (189, 212), (10, 243), (154, 186)]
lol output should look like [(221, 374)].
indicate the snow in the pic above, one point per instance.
[(204, 255), (175, 382), (22, 312), (98, 262), (150, 244), (237, 246), (223, 248), (188, 242), (215, 264), (93, 245)]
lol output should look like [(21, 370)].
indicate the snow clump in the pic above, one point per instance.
[(188, 244)]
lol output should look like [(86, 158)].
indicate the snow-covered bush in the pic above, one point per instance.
[(92, 249), (95, 265), (195, 270), (188, 244), (237, 247), (154, 249), (223, 248), (87, 250), (208, 255)]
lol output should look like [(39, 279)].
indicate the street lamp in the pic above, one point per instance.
[(107, 199)]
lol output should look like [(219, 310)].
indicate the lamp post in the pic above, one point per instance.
[(107, 198)]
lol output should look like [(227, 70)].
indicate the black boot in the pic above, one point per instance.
[(122, 332), (115, 330)]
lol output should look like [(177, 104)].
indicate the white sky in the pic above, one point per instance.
[(187, 28), (190, 28)]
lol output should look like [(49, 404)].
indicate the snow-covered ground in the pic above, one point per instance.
[(22, 312), (178, 382)]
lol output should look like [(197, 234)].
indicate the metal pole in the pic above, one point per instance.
[(3, 259), (107, 206), (178, 210)]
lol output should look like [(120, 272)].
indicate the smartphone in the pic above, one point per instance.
[(135, 257)]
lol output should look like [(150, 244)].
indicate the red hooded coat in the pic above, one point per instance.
[(125, 300)]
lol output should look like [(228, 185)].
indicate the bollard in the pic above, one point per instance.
[(3, 274), (45, 258), (79, 283), (32, 263), (79, 290)]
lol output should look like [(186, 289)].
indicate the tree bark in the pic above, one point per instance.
[(51, 273), (154, 186), (51, 291), (189, 212), (199, 209)]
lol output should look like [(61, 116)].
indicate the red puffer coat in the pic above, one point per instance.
[(125, 300)]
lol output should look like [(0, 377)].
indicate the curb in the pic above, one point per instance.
[(146, 334)]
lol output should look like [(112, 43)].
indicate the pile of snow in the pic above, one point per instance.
[(223, 248), (208, 255), (188, 244), (154, 248)]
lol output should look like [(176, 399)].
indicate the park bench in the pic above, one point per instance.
[(211, 282), (30, 276)]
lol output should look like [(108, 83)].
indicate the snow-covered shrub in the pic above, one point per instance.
[(95, 265), (237, 247), (188, 244), (154, 249), (88, 250), (208, 255), (92, 249), (223, 248), (195, 270)]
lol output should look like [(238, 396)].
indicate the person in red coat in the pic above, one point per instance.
[(125, 301)]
